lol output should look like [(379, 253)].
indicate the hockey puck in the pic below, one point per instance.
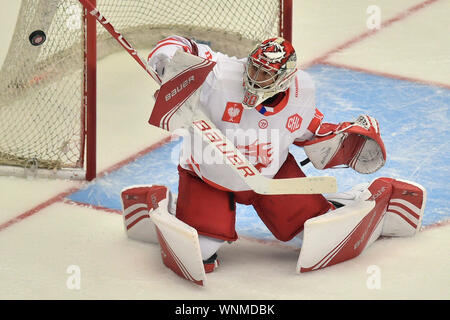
[(37, 37)]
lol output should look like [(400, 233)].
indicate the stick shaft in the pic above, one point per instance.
[(92, 10)]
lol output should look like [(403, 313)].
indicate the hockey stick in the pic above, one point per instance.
[(246, 171), (122, 41), (251, 176)]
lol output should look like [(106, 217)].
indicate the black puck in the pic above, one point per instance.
[(37, 37)]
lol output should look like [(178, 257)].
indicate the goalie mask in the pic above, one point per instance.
[(269, 70)]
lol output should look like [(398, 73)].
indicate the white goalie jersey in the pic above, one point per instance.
[(263, 134)]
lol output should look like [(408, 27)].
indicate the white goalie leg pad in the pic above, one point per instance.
[(405, 210), (149, 215), (180, 247), (135, 207), (344, 233)]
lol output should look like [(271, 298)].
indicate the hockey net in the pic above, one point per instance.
[(43, 89)]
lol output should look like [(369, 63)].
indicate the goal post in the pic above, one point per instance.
[(48, 78), (90, 94)]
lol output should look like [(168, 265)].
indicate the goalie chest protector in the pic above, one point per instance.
[(265, 135)]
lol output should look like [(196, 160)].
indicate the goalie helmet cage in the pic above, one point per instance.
[(48, 82)]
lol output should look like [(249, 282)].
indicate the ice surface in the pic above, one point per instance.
[(37, 251)]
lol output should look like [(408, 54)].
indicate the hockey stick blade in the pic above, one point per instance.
[(307, 185)]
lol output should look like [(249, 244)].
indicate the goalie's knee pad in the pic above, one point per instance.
[(404, 213), (136, 202)]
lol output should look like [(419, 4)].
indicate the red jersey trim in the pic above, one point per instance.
[(316, 121), (277, 108)]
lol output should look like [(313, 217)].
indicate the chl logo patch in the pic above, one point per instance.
[(293, 123), (233, 112)]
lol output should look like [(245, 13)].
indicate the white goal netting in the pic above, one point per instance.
[(42, 93)]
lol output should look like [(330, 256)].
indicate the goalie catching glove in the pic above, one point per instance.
[(357, 145)]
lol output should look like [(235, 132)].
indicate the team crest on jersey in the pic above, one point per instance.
[(293, 123), (233, 112)]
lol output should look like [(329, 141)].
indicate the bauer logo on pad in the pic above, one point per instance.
[(233, 112)]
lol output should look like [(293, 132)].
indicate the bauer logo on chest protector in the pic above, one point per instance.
[(294, 122), (233, 112)]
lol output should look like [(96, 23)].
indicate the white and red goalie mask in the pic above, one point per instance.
[(270, 68), (357, 145)]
